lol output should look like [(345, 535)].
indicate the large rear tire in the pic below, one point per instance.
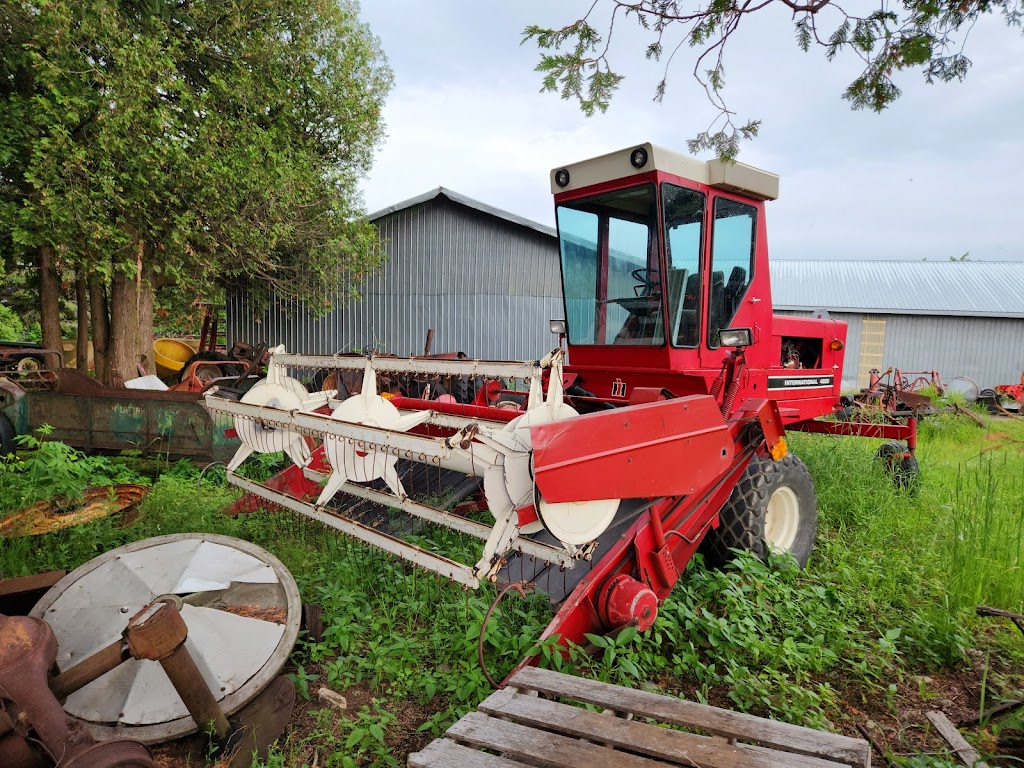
[(772, 509)]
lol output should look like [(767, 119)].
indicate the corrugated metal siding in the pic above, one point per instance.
[(963, 288), (486, 286), (988, 350)]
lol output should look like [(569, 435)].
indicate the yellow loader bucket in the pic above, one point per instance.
[(170, 355)]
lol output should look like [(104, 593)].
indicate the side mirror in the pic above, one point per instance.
[(735, 337), (557, 326)]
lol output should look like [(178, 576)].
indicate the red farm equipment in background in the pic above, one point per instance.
[(657, 426)]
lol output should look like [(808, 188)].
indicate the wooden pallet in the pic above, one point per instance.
[(525, 724)]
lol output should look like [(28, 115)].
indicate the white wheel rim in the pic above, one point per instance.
[(782, 520), (577, 522)]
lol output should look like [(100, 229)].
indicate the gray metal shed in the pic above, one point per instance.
[(961, 318), (485, 280)]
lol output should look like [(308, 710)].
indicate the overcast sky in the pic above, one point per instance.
[(937, 175)]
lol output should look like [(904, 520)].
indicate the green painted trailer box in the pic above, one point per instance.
[(87, 415)]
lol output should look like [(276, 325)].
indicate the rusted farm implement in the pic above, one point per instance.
[(902, 393), (603, 476), (193, 640)]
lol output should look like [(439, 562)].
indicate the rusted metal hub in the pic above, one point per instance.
[(24, 643), (118, 753), (156, 631), (625, 601)]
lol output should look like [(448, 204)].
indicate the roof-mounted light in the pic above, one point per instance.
[(638, 157)]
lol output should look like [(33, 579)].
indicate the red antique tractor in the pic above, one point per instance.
[(656, 427)]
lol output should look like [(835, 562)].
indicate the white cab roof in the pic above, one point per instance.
[(733, 177)]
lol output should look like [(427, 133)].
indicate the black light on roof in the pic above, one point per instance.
[(638, 157), (562, 177)]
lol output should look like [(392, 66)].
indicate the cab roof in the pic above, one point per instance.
[(738, 178)]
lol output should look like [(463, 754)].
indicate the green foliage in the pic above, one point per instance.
[(49, 469), (920, 34), (206, 142), (11, 327)]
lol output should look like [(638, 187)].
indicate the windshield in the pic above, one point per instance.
[(610, 268)]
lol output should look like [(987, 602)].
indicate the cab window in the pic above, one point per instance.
[(732, 263), (684, 234)]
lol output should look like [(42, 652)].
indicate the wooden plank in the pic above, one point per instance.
[(442, 753), (676, 747), (39, 582), (539, 748), (964, 751), (722, 722)]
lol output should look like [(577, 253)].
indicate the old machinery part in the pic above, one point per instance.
[(280, 392), (627, 601), (39, 727), (366, 435), (48, 516), (241, 609), (350, 463)]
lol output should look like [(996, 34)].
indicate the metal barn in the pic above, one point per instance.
[(959, 318), (485, 280)]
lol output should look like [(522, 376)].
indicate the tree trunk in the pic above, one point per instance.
[(82, 299), (122, 351), (100, 328), (49, 300), (146, 320)]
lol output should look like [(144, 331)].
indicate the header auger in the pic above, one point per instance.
[(665, 430)]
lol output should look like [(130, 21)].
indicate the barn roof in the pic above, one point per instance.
[(469, 202), (960, 288)]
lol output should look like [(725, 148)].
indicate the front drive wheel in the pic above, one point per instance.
[(772, 509)]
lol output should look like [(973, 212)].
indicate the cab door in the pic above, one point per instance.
[(730, 272)]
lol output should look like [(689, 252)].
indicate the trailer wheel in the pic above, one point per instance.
[(772, 509), (902, 469), (991, 400), (6, 438)]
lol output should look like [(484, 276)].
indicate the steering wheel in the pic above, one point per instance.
[(647, 279)]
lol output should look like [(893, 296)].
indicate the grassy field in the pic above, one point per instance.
[(878, 628)]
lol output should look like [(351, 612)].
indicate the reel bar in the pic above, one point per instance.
[(549, 554), (404, 445), (450, 569), (424, 366)]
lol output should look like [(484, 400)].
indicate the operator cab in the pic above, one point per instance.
[(660, 253)]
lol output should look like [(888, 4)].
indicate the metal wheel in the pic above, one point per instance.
[(241, 606), (782, 519), (28, 365), (903, 469)]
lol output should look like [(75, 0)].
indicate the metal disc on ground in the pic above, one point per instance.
[(241, 607), (49, 516)]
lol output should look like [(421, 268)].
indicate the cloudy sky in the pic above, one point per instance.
[(937, 175)]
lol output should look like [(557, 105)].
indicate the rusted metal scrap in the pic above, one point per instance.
[(30, 714), (55, 514)]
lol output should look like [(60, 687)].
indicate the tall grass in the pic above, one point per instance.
[(986, 534), (922, 559)]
